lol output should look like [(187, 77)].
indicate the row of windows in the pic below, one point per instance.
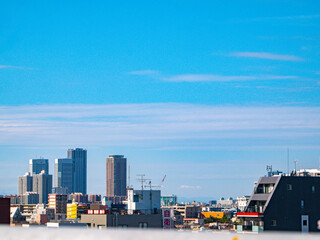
[(274, 223), (289, 187)]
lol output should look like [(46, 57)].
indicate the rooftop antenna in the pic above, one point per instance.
[(288, 159), (269, 170), (295, 165), (142, 180), (129, 176)]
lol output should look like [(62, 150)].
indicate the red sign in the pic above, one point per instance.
[(96, 211), (167, 220), (166, 213)]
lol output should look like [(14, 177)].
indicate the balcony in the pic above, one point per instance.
[(249, 214)]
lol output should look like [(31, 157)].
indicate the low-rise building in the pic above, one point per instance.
[(41, 218), (79, 198), (217, 215), (26, 210), (94, 198), (41, 209), (75, 210), (14, 199), (226, 203), (143, 201), (242, 202), (122, 221), (187, 211), (16, 216), (58, 202), (169, 200)]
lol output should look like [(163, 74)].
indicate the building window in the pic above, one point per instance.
[(290, 187), (274, 223), (305, 223), (313, 188), (123, 226), (302, 203), (143, 225)]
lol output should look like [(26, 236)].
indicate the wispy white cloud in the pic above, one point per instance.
[(161, 125), (300, 17), (189, 187), (221, 78), (16, 67), (266, 55), (144, 72)]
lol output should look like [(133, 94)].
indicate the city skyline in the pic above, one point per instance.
[(207, 93)]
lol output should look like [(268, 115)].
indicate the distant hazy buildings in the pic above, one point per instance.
[(242, 202), (116, 178), (94, 198), (79, 198), (79, 157), (60, 190), (37, 165), (64, 173), (42, 184), (25, 184)]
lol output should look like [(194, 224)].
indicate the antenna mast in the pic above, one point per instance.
[(129, 176), (295, 165), (142, 180), (288, 159)]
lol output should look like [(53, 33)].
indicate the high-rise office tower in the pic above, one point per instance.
[(79, 157), (37, 165), (116, 178), (25, 184), (63, 173), (42, 184)]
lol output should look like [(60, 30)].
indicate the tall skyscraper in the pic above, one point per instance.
[(116, 177), (79, 157), (37, 165), (42, 184), (25, 184), (63, 173)]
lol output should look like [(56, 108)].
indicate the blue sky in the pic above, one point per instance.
[(206, 92)]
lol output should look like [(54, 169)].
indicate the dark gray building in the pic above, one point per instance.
[(284, 203), (64, 173), (79, 157), (25, 184), (42, 184), (116, 178), (36, 165)]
